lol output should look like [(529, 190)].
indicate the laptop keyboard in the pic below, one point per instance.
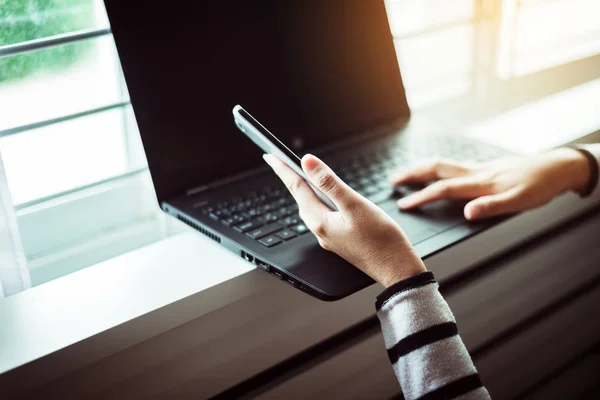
[(270, 215)]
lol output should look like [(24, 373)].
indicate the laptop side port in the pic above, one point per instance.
[(304, 288), (277, 273), (247, 256), (262, 265), (289, 280)]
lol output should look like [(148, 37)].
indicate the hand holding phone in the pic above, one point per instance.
[(270, 144)]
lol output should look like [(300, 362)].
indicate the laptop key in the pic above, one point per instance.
[(260, 220), (238, 219), (280, 202), (270, 241), (264, 231), (267, 218), (286, 234), (265, 208), (289, 221), (227, 221), (207, 210), (246, 226), (283, 212), (233, 220), (251, 213), (300, 229), (271, 217)]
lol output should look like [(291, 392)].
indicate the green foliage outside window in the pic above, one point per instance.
[(22, 20)]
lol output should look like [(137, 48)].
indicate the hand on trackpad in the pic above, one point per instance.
[(500, 187)]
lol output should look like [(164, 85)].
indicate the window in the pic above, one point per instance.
[(435, 46), (477, 47), (540, 34), (70, 144), (39, 89), (68, 140)]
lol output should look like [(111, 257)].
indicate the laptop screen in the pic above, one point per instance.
[(312, 71)]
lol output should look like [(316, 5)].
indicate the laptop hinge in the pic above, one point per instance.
[(196, 190)]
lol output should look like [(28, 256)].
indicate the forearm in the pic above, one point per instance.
[(422, 341)]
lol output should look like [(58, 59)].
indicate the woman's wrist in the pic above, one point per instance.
[(575, 169), (392, 273)]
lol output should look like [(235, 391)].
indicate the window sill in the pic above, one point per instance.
[(55, 315), (547, 123)]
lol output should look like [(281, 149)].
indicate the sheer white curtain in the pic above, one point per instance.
[(14, 275)]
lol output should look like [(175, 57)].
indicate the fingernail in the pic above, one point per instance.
[(397, 175), (403, 203), (309, 162), (471, 212), (468, 214)]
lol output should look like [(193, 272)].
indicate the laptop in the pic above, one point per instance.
[(324, 77)]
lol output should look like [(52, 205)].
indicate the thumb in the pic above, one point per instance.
[(510, 201), (328, 182)]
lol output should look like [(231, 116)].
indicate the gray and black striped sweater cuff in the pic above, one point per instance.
[(422, 341)]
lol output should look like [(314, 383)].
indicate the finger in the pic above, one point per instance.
[(457, 188), (508, 202), (309, 205), (430, 171), (329, 183)]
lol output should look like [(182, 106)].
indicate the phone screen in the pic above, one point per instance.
[(280, 145)]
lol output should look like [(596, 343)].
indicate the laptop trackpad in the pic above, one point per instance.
[(428, 220)]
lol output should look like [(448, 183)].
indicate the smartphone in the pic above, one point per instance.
[(271, 145)]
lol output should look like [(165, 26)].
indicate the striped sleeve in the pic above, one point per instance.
[(422, 342)]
